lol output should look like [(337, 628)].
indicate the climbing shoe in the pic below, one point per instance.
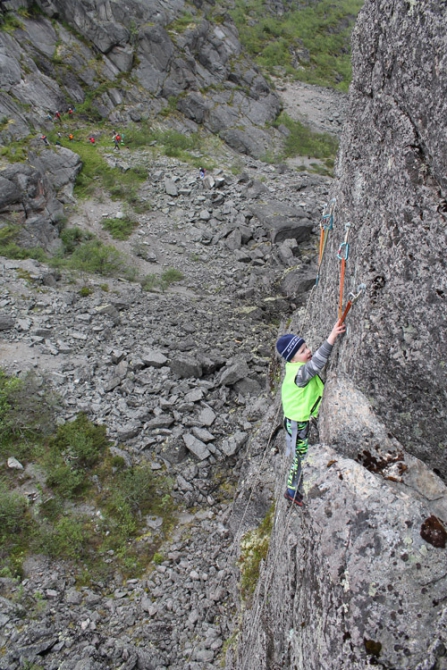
[(295, 497)]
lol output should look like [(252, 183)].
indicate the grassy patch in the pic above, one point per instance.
[(254, 549), (10, 249), (9, 22), (170, 276), (95, 257), (311, 43), (92, 507), (181, 23), (120, 228), (302, 141)]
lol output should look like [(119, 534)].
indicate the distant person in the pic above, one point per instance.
[(58, 117), (92, 139), (44, 139), (116, 140), (202, 173), (71, 137), (70, 111), (49, 116), (301, 393)]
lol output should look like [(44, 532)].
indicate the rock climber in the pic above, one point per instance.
[(44, 139), (301, 393), (201, 173), (91, 139)]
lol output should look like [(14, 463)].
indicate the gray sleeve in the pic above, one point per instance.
[(315, 365)]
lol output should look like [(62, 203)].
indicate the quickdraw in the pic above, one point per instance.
[(326, 224), (343, 255), (352, 297)]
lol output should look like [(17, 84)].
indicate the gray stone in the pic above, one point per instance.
[(186, 366), (234, 373), (202, 434), (283, 221), (206, 417), (6, 322), (195, 446), (14, 464), (232, 445), (154, 359), (171, 188)]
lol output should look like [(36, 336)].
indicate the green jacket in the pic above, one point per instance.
[(300, 402)]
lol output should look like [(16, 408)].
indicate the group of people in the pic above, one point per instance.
[(117, 139), (58, 117)]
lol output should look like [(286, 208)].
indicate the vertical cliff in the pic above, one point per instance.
[(358, 578), (392, 187)]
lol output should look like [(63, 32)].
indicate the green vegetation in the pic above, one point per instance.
[(254, 549), (153, 281), (10, 249), (181, 23), (95, 257), (120, 229), (302, 141), (9, 22), (90, 508), (311, 43)]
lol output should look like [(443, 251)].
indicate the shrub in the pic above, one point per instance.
[(99, 258), (13, 507), (83, 440), (85, 291), (171, 276), (67, 539), (26, 414), (120, 229), (73, 237), (302, 141)]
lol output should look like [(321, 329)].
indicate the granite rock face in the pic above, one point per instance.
[(391, 188), (357, 578)]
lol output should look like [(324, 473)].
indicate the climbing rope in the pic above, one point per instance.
[(326, 224), (343, 255)]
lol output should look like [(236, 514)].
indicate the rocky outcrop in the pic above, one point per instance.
[(143, 55), (357, 578), (392, 189), (32, 193)]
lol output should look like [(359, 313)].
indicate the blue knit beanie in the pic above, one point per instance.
[(288, 345)]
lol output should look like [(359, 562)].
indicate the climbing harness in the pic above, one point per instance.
[(343, 255), (352, 297), (326, 224)]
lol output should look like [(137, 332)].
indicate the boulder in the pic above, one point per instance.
[(186, 366), (234, 373), (153, 359), (195, 446), (282, 221)]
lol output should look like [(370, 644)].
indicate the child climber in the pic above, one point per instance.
[(301, 394)]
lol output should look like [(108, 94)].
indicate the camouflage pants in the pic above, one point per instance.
[(300, 435)]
